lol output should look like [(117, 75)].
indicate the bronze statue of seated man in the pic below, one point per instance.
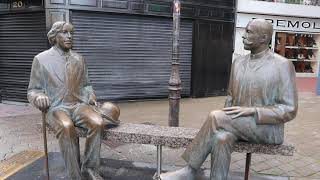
[(261, 97), (59, 84)]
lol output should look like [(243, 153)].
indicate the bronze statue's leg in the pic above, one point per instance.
[(221, 155), (88, 119), (197, 152), (212, 138), (68, 141)]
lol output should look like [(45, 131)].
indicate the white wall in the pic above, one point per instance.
[(283, 9)]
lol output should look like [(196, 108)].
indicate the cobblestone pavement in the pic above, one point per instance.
[(18, 131)]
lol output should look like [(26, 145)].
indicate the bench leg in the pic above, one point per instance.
[(159, 162), (248, 162)]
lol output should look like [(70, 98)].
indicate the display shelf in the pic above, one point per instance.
[(301, 47), (303, 74), (306, 60)]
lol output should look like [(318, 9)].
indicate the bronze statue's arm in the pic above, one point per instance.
[(87, 90), (35, 88), (228, 102), (36, 92), (287, 106)]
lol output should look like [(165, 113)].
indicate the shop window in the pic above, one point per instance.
[(301, 49)]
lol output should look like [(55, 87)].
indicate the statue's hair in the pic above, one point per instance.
[(55, 29), (264, 27)]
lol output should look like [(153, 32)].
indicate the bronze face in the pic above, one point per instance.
[(64, 37), (251, 38)]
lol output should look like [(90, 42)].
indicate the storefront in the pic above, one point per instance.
[(130, 57), (297, 39), (127, 44), (22, 36)]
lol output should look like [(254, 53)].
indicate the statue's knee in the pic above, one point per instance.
[(215, 114), (63, 120), (67, 125), (223, 138), (97, 121)]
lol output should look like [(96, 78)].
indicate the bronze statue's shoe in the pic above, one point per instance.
[(186, 173), (91, 174)]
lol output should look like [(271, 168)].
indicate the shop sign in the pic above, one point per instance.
[(282, 23)]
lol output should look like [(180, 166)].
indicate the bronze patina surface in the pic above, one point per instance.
[(59, 84), (262, 96)]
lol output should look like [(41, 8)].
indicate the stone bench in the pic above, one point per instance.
[(180, 137)]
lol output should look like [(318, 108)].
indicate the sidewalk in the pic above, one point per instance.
[(19, 132)]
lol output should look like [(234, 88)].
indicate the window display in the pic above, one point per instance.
[(301, 49)]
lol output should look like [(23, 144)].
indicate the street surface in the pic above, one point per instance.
[(19, 131)]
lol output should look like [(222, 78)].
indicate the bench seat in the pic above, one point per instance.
[(180, 137)]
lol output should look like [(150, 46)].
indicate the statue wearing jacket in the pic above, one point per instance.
[(59, 84), (261, 97)]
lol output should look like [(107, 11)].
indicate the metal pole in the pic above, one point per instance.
[(247, 170), (44, 130), (159, 162), (175, 82)]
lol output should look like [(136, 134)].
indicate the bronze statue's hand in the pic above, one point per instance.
[(42, 102), (238, 111)]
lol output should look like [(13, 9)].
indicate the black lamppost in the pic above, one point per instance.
[(175, 82)]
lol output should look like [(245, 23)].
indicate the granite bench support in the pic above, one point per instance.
[(179, 137)]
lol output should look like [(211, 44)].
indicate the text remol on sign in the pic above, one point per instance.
[(282, 22)]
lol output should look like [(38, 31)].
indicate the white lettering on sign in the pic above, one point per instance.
[(17, 4), (281, 22)]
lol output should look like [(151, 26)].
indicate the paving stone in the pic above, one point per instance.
[(261, 167), (286, 167), (299, 163), (273, 162), (315, 176), (305, 172), (294, 174), (17, 129), (272, 171)]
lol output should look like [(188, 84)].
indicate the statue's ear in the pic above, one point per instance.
[(264, 38), (52, 41)]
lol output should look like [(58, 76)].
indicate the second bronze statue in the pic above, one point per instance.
[(262, 96)]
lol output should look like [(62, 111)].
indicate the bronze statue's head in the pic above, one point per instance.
[(61, 35), (258, 35)]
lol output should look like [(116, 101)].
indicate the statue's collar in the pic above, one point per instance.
[(61, 52), (260, 54)]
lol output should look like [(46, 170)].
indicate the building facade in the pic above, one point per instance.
[(126, 43), (296, 33)]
